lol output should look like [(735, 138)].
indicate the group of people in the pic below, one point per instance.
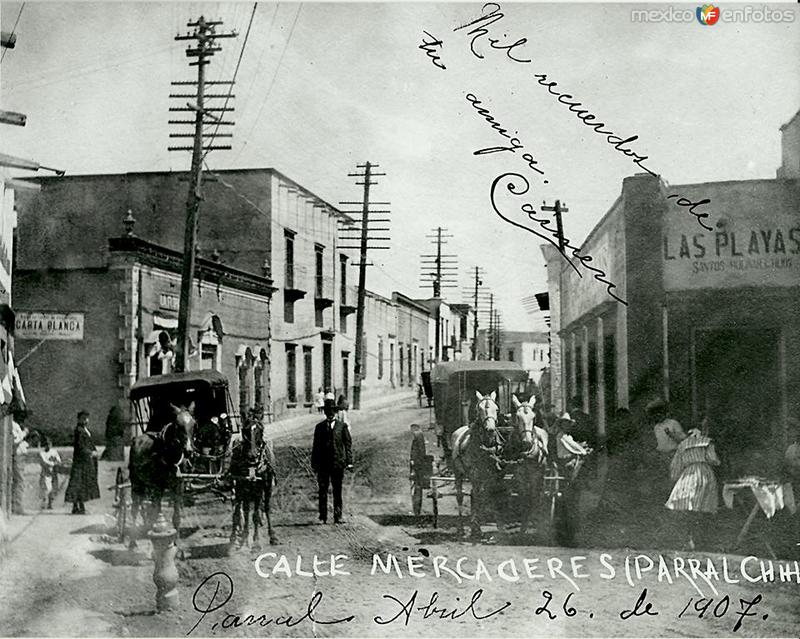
[(689, 460), (82, 486), (342, 405)]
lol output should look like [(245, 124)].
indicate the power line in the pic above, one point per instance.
[(272, 82), (235, 73), (13, 29)]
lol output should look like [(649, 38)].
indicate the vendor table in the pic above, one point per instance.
[(770, 497)]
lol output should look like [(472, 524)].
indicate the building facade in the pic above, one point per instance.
[(396, 332), (450, 332), (710, 323), (313, 327), (89, 333), (529, 349)]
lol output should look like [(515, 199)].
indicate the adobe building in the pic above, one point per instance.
[(711, 322)]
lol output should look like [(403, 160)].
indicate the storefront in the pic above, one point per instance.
[(711, 322)]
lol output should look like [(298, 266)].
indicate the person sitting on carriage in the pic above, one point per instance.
[(568, 452)]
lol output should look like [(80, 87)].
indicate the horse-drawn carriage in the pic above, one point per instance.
[(492, 437), (187, 440), (217, 426)]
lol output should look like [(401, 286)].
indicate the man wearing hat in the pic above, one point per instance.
[(331, 454)]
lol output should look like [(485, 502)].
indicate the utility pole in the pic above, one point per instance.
[(363, 248), (497, 335), (478, 283), (490, 333), (205, 37), (442, 270), (558, 209)]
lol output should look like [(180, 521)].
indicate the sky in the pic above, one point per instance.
[(323, 87)]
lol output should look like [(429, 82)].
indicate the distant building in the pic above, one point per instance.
[(529, 349), (395, 344), (450, 330)]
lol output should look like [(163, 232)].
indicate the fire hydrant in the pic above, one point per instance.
[(165, 572)]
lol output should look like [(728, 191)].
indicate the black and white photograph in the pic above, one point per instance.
[(399, 319)]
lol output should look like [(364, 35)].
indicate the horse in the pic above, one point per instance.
[(252, 470), (528, 448), (475, 449), (153, 466)]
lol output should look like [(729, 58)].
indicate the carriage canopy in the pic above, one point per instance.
[(454, 385), (208, 389)]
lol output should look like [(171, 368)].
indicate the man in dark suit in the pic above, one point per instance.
[(331, 454)]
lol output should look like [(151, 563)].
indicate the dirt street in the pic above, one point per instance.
[(65, 576)]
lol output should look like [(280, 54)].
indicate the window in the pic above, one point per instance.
[(288, 237), (291, 373), (409, 360), (402, 362), (345, 373), (318, 257), (380, 359), (258, 382), (510, 355), (161, 356), (288, 310), (343, 279), (208, 357), (327, 365), (308, 381), (391, 363), (243, 363), (319, 317), (416, 368), (364, 355)]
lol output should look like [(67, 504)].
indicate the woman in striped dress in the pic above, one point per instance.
[(695, 489)]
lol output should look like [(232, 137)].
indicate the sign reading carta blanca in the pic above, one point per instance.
[(62, 326)]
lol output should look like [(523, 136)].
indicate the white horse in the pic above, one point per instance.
[(529, 447), (475, 450)]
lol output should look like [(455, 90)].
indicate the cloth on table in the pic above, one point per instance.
[(771, 496)]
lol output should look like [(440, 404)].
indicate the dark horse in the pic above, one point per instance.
[(475, 457), (154, 461), (253, 472)]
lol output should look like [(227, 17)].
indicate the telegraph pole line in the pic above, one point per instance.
[(558, 209), (362, 278), (205, 36)]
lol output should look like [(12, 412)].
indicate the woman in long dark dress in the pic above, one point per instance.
[(83, 474)]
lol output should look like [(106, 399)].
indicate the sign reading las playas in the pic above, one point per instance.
[(64, 326)]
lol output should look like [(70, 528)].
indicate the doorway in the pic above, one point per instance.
[(737, 381)]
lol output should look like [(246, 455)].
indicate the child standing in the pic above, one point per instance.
[(48, 480)]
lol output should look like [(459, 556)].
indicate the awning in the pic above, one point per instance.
[(164, 322)]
